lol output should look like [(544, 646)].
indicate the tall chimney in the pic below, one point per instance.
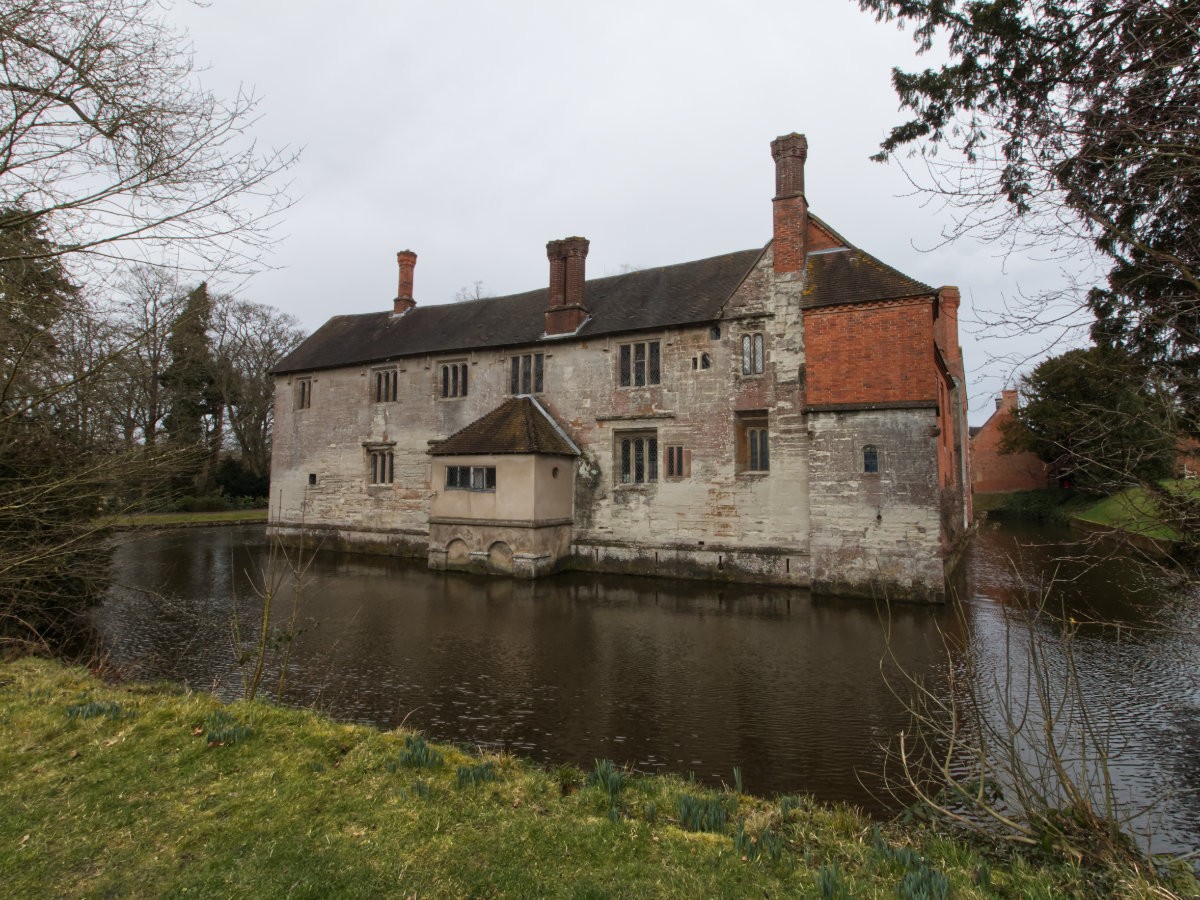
[(946, 329), (789, 208), (565, 311), (407, 261)]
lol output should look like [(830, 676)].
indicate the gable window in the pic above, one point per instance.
[(871, 460), (640, 364), (383, 467), (678, 462), (471, 478), (752, 353), (303, 393), (753, 443), (637, 457), (454, 379), (384, 385), (526, 373)]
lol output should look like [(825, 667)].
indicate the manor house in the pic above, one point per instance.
[(793, 414)]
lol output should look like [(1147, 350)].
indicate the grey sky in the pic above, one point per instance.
[(474, 132)]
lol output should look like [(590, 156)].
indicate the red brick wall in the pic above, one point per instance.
[(871, 353), (994, 471)]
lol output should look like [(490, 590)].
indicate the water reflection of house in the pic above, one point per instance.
[(993, 471), (791, 414)]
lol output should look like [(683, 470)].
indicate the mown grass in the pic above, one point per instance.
[(181, 519), (1136, 511), (154, 791)]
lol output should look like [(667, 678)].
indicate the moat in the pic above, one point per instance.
[(662, 675)]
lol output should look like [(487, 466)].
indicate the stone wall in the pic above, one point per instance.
[(702, 388), (876, 530)]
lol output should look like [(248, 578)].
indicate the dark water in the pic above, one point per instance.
[(677, 676)]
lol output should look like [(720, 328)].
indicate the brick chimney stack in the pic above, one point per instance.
[(789, 208), (407, 261), (565, 310), (946, 329)]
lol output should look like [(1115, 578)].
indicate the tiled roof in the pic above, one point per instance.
[(669, 296), (848, 275), (518, 425), (651, 298)]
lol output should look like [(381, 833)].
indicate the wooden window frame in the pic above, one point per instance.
[(479, 479), (753, 451), (677, 462)]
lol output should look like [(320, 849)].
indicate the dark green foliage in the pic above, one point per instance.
[(481, 773), (91, 709), (417, 754), (234, 479), (768, 844), (196, 420), (1082, 113), (221, 729), (53, 480), (1092, 416), (924, 883), (701, 813), (830, 883), (607, 776)]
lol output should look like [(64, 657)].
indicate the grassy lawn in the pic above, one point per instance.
[(178, 519), (154, 791), (1136, 511)]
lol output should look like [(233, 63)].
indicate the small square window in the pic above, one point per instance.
[(870, 460)]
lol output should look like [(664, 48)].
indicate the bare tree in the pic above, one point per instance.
[(474, 291), (250, 339), (109, 143)]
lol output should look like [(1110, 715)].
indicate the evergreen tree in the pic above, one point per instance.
[(1093, 417), (195, 421)]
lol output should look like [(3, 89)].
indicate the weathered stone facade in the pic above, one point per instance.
[(720, 411)]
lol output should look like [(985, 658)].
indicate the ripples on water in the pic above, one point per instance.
[(679, 676)]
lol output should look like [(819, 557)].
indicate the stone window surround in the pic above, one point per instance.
[(753, 354), (303, 392), (647, 366), (452, 378), (752, 452), (627, 447), (385, 384)]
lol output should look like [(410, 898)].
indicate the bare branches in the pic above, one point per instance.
[(106, 135)]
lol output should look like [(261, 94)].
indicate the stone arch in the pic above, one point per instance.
[(457, 553), (500, 558)]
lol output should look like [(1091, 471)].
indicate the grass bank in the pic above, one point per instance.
[(1135, 511), (187, 519), (153, 791)]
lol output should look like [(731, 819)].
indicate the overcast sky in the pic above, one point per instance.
[(474, 132)]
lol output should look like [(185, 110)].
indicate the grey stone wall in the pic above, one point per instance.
[(876, 532)]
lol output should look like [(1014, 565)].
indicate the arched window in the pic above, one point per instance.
[(705, 361), (871, 459)]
